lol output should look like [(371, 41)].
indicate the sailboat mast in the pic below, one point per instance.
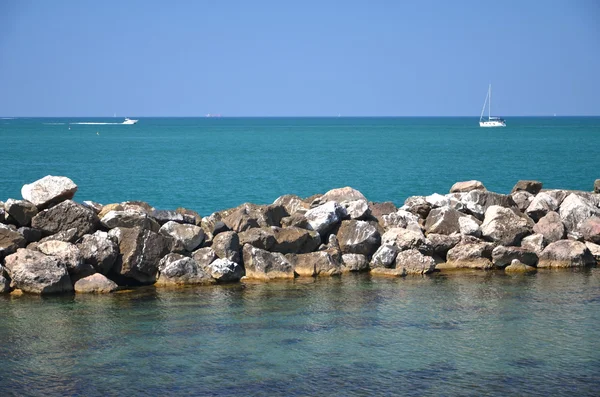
[(490, 108)]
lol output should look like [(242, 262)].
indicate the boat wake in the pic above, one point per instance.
[(96, 123), (53, 123)]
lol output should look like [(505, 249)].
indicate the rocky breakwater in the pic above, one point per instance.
[(52, 244)]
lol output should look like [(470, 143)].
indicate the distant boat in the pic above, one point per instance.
[(129, 121), (491, 121)]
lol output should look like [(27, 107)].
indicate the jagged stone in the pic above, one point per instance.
[(164, 216), (505, 225), (358, 237), (590, 229), (469, 226), (339, 195), (227, 246), (68, 236), (594, 250), (414, 262), (263, 238), (176, 269), (129, 219), (34, 272), (469, 253), (10, 241), (248, 216), (64, 216), (441, 243), (95, 284), (405, 239), (110, 207), (551, 227), (575, 209), (22, 211), (523, 199), (292, 204), (30, 234), (356, 209), (294, 240), (324, 217), (295, 220), (94, 206), (453, 201), (534, 242), (48, 191), (204, 257), (476, 202), (68, 255), (443, 220), (542, 204), (320, 263), (467, 186), (532, 187), (224, 270), (99, 250), (354, 263), (400, 218), (4, 281), (189, 216), (184, 237), (417, 205), (384, 256), (575, 236), (502, 256), (566, 253), (597, 186), (265, 265), (378, 210)]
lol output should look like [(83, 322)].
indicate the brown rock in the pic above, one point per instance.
[(95, 284), (532, 187), (227, 245), (519, 267), (590, 229), (551, 227), (264, 265), (358, 237), (467, 186), (566, 253)]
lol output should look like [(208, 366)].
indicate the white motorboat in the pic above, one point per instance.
[(491, 121), (129, 121)]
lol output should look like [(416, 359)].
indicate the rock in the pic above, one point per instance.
[(297, 220), (110, 207), (227, 246), (185, 237), (377, 210), (324, 217), (64, 216), (574, 210), (467, 186), (141, 251), (443, 220), (176, 269), (597, 186), (557, 195), (294, 240), (551, 227), (540, 205), (523, 199), (99, 250), (414, 262), (566, 253), (10, 241), (190, 216), (469, 253), (357, 209), (48, 191), (502, 256), (30, 234), (264, 265), (469, 226), (68, 236), (95, 284), (204, 257), (68, 255), (21, 211), (441, 243), (417, 205), (590, 229), (219, 227), (139, 206), (164, 216), (129, 219), (34, 272), (354, 263), (505, 225), (263, 238), (4, 281), (292, 204), (248, 216), (384, 256), (224, 270), (405, 239), (518, 267), (453, 201), (358, 237), (532, 187), (400, 218), (96, 207), (341, 194), (575, 236), (534, 243), (594, 250), (320, 263), (476, 202)]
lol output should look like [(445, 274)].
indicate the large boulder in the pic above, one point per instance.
[(417, 205), (265, 265), (476, 202), (551, 227), (22, 211), (30, 234), (48, 191), (469, 226), (354, 263), (357, 209), (378, 210), (469, 253), (535, 242), (505, 225), (141, 251), (204, 257), (441, 243), (590, 229), (99, 250), (467, 186), (405, 239), (566, 253), (575, 209), (325, 216), (443, 220), (129, 219), (68, 255), (189, 216), (414, 262), (320, 263), (227, 246), (34, 272), (185, 237), (384, 256), (523, 199), (540, 205), (503, 256), (248, 216), (532, 187), (453, 200), (164, 216), (10, 241), (263, 238), (400, 218), (292, 203), (340, 195), (358, 237), (294, 240), (95, 284), (176, 269), (64, 216), (225, 270)]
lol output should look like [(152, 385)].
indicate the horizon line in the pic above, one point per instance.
[(304, 116)]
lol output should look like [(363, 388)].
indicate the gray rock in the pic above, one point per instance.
[(141, 251), (518, 267), (469, 226), (227, 246), (551, 227), (248, 216), (4, 281), (95, 284), (292, 204), (469, 253), (185, 237), (590, 229), (48, 191), (358, 237), (384, 256), (94, 206), (574, 210), (467, 186), (417, 205), (476, 202), (356, 209), (68, 255), (34, 272), (443, 220), (190, 216), (264, 265), (453, 201), (129, 219), (30, 234), (354, 263), (320, 263), (377, 210), (594, 250), (99, 250), (164, 216), (441, 243), (503, 256), (204, 257), (400, 218), (176, 269), (225, 270), (541, 204), (505, 225), (405, 239), (523, 199), (22, 211), (294, 240), (68, 236), (263, 238), (324, 217), (64, 216), (532, 187), (414, 262), (10, 241), (535, 243), (566, 253)]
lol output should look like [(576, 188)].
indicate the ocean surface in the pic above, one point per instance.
[(466, 334), (210, 164)]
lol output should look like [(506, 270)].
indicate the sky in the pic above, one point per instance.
[(298, 58)]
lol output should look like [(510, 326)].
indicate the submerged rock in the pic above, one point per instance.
[(95, 284), (518, 267)]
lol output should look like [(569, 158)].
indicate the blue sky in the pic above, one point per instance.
[(303, 58)]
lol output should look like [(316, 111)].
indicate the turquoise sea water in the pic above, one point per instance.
[(209, 164), (469, 334)]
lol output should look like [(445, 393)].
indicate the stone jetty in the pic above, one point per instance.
[(52, 244)]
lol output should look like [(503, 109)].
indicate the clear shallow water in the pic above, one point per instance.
[(472, 334), (209, 164)]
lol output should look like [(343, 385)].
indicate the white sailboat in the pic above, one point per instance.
[(491, 121)]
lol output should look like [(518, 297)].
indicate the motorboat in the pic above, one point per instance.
[(129, 121)]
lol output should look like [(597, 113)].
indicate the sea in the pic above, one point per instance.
[(449, 334)]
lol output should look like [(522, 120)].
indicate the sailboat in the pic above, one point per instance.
[(491, 121)]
